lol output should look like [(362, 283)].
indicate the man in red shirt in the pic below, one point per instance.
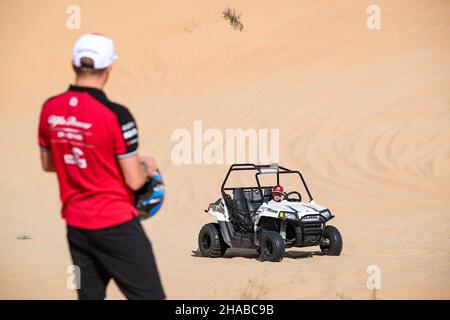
[(92, 145)]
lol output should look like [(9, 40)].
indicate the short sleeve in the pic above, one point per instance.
[(43, 135), (126, 139)]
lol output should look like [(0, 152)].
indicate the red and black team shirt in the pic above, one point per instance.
[(86, 133)]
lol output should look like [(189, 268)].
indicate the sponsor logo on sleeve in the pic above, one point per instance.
[(133, 141), (128, 126), (130, 134)]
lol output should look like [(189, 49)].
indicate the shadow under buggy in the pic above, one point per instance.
[(246, 219)]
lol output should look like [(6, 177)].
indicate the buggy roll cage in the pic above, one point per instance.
[(261, 169)]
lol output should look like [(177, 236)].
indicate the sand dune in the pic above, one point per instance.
[(364, 114)]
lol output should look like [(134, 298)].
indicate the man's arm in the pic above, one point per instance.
[(47, 161), (135, 172), (135, 169)]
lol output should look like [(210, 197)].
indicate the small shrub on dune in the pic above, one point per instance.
[(23, 236), (230, 15)]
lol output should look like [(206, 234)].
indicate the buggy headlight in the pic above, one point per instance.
[(325, 213), (290, 216)]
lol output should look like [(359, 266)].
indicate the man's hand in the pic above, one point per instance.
[(149, 164), (47, 161)]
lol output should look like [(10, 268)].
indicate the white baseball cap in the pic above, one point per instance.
[(95, 46)]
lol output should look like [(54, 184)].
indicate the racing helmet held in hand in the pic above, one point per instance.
[(149, 199)]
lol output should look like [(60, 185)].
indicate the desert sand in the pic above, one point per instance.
[(364, 114)]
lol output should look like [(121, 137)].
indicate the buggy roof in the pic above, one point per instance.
[(260, 170)]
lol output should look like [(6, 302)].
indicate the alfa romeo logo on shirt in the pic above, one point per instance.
[(73, 101)]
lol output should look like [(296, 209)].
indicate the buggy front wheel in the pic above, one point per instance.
[(272, 246), (331, 244), (210, 241)]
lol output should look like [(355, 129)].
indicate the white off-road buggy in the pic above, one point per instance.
[(246, 218)]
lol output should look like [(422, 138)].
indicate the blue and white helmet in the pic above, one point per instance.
[(149, 199)]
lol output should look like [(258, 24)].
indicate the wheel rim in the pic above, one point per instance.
[(326, 243), (206, 242)]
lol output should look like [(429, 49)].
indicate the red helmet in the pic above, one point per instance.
[(277, 189)]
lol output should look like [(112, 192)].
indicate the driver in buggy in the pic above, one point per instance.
[(278, 199), (277, 194)]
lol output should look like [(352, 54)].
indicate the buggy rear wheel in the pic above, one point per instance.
[(272, 247), (331, 244), (210, 241)]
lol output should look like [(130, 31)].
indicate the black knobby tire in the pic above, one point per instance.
[(333, 237), (271, 246), (210, 241)]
